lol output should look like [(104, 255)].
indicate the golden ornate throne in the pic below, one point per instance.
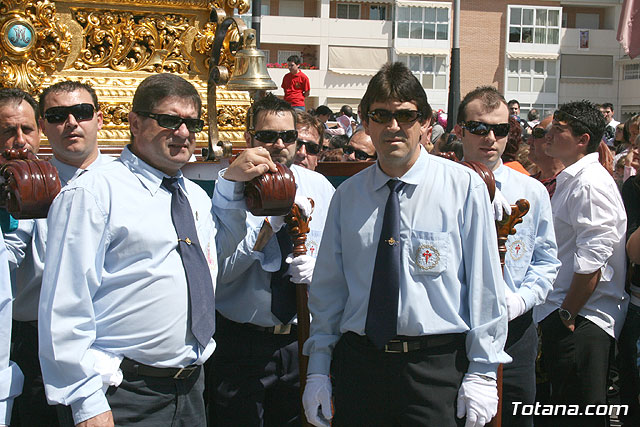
[(113, 45)]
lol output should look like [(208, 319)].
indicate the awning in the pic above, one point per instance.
[(531, 55), (421, 51), (361, 61), (409, 3)]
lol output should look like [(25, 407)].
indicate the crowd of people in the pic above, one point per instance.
[(140, 300)]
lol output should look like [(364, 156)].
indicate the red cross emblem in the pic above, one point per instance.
[(518, 248), (312, 249), (426, 254)]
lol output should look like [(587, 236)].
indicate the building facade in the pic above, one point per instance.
[(543, 53)]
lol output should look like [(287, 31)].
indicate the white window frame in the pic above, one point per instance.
[(543, 109), (528, 72), (380, 7), (284, 54), (631, 72), (419, 17), (350, 7), (538, 28), (437, 72)]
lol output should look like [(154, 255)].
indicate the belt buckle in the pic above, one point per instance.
[(184, 373), (282, 329), (405, 347)]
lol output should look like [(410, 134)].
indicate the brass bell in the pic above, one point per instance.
[(250, 71)]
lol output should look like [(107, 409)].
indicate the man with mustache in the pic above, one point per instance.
[(70, 117), (531, 262), (126, 314), (407, 301), (253, 375)]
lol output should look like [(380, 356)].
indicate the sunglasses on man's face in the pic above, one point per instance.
[(61, 114), (538, 132), (500, 130), (358, 154), (383, 116), (309, 146), (563, 116), (168, 121), (271, 136)]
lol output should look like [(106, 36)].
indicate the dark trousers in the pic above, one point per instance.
[(519, 376), (142, 401), (628, 361), (578, 366), (31, 407), (252, 378), (418, 388)]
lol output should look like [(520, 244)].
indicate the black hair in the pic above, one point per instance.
[(68, 86), (16, 96), (160, 86), (295, 59), (591, 122), (268, 103)]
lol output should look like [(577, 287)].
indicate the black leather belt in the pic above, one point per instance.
[(406, 344), (276, 330), (132, 367)]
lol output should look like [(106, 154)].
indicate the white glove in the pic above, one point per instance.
[(301, 268), (303, 203), (515, 304), (478, 399), (317, 395), (499, 204)]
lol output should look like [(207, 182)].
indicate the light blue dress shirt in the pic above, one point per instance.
[(243, 293), (11, 377), (450, 274), (531, 261), (114, 279), (27, 244)]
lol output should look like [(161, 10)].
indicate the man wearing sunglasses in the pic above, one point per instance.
[(549, 166), (310, 140), (584, 312), (531, 262), (69, 117), (406, 304), (253, 375), (360, 148), (126, 309)]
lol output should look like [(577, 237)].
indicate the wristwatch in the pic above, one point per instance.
[(565, 314)]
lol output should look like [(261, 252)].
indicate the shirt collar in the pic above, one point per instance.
[(150, 177), (67, 173), (574, 169), (412, 177)]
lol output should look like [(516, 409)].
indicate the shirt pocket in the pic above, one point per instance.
[(428, 252), (519, 251)]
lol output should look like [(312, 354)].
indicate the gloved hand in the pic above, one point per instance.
[(317, 395), (515, 304), (301, 268), (478, 399), (303, 203), (499, 204)]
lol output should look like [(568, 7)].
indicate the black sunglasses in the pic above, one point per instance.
[(271, 136), (359, 154), (402, 116), (168, 121), (480, 128), (60, 114), (538, 132), (310, 146), (563, 116)]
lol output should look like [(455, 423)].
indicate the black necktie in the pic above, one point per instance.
[(283, 292), (382, 314), (201, 299)]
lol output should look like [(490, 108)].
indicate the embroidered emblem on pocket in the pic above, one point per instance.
[(517, 249), (312, 248), (427, 257)]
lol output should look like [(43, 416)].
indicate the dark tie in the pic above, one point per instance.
[(283, 292), (382, 314), (201, 299)]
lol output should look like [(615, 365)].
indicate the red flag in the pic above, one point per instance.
[(629, 27)]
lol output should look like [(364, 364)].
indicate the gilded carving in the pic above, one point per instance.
[(232, 117), (115, 114), (33, 42), (127, 41)]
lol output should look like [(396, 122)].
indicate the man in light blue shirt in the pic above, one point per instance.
[(451, 318), (531, 262), (254, 372), (116, 342), (72, 132), (11, 377)]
